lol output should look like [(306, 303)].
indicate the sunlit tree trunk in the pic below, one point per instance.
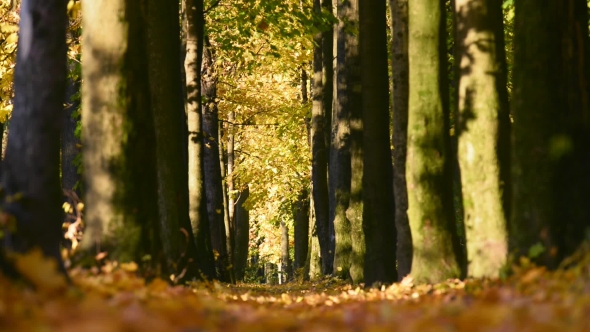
[(229, 233), (319, 172), (400, 84), (211, 163), (31, 165), (117, 129), (551, 128), (314, 259), (378, 211), (428, 172), (483, 113), (197, 198), (340, 173)]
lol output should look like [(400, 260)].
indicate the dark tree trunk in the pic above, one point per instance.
[(211, 163), (69, 142), (378, 212), (551, 128), (400, 84), (197, 198), (301, 220), (31, 165), (319, 173), (285, 257), (242, 234)]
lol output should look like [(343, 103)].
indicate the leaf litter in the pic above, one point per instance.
[(116, 299)]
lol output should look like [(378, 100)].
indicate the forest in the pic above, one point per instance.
[(295, 165)]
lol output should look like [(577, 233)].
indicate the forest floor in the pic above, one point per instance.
[(115, 299)]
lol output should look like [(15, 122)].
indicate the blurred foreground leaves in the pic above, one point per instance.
[(115, 299)]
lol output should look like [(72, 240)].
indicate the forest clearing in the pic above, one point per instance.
[(295, 165)]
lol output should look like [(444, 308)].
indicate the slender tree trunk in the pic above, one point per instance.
[(69, 142), (314, 264), (31, 165), (400, 83), (197, 198), (378, 212), (117, 128), (242, 234), (285, 257), (551, 128), (229, 233), (483, 105), (430, 201), (301, 219), (320, 153), (230, 169), (211, 164)]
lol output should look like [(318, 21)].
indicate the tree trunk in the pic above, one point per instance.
[(551, 129), (400, 84), (285, 257), (31, 165), (301, 220), (117, 128), (428, 172), (197, 197), (319, 172), (378, 212), (229, 232), (314, 260), (340, 171), (483, 107), (242, 234), (211, 164), (69, 142)]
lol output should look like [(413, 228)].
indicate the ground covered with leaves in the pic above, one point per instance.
[(115, 299)]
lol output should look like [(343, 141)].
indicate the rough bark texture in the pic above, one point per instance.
[(197, 198), (211, 163), (378, 212), (166, 104), (242, 234), (301, 219), (340, 172), (319, 159), (69, 142), (117, 128), (428, 175), (551, 128), (31, 165), (482, 106), (354, 213), (400, 84)]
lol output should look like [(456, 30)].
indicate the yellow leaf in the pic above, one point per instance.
[(41, 271)]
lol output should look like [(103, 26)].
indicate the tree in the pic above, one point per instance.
[(242, 234), (30, 170), (550, 130), (429, 176), (482, 128), (117, 128), (340, 173), (319, 151), (197, 198), (378, 210), (69, 141), (400, 85)]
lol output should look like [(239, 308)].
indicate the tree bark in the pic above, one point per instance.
[(229, 232), (117, 128), (551, 120), (197, 198), (340, 167), (428, 172), (31, 165), (483, 113), (301, 220), (319, 172), (400, 84), (242, 234), (285, 257), (211, 164), (378, 212)]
